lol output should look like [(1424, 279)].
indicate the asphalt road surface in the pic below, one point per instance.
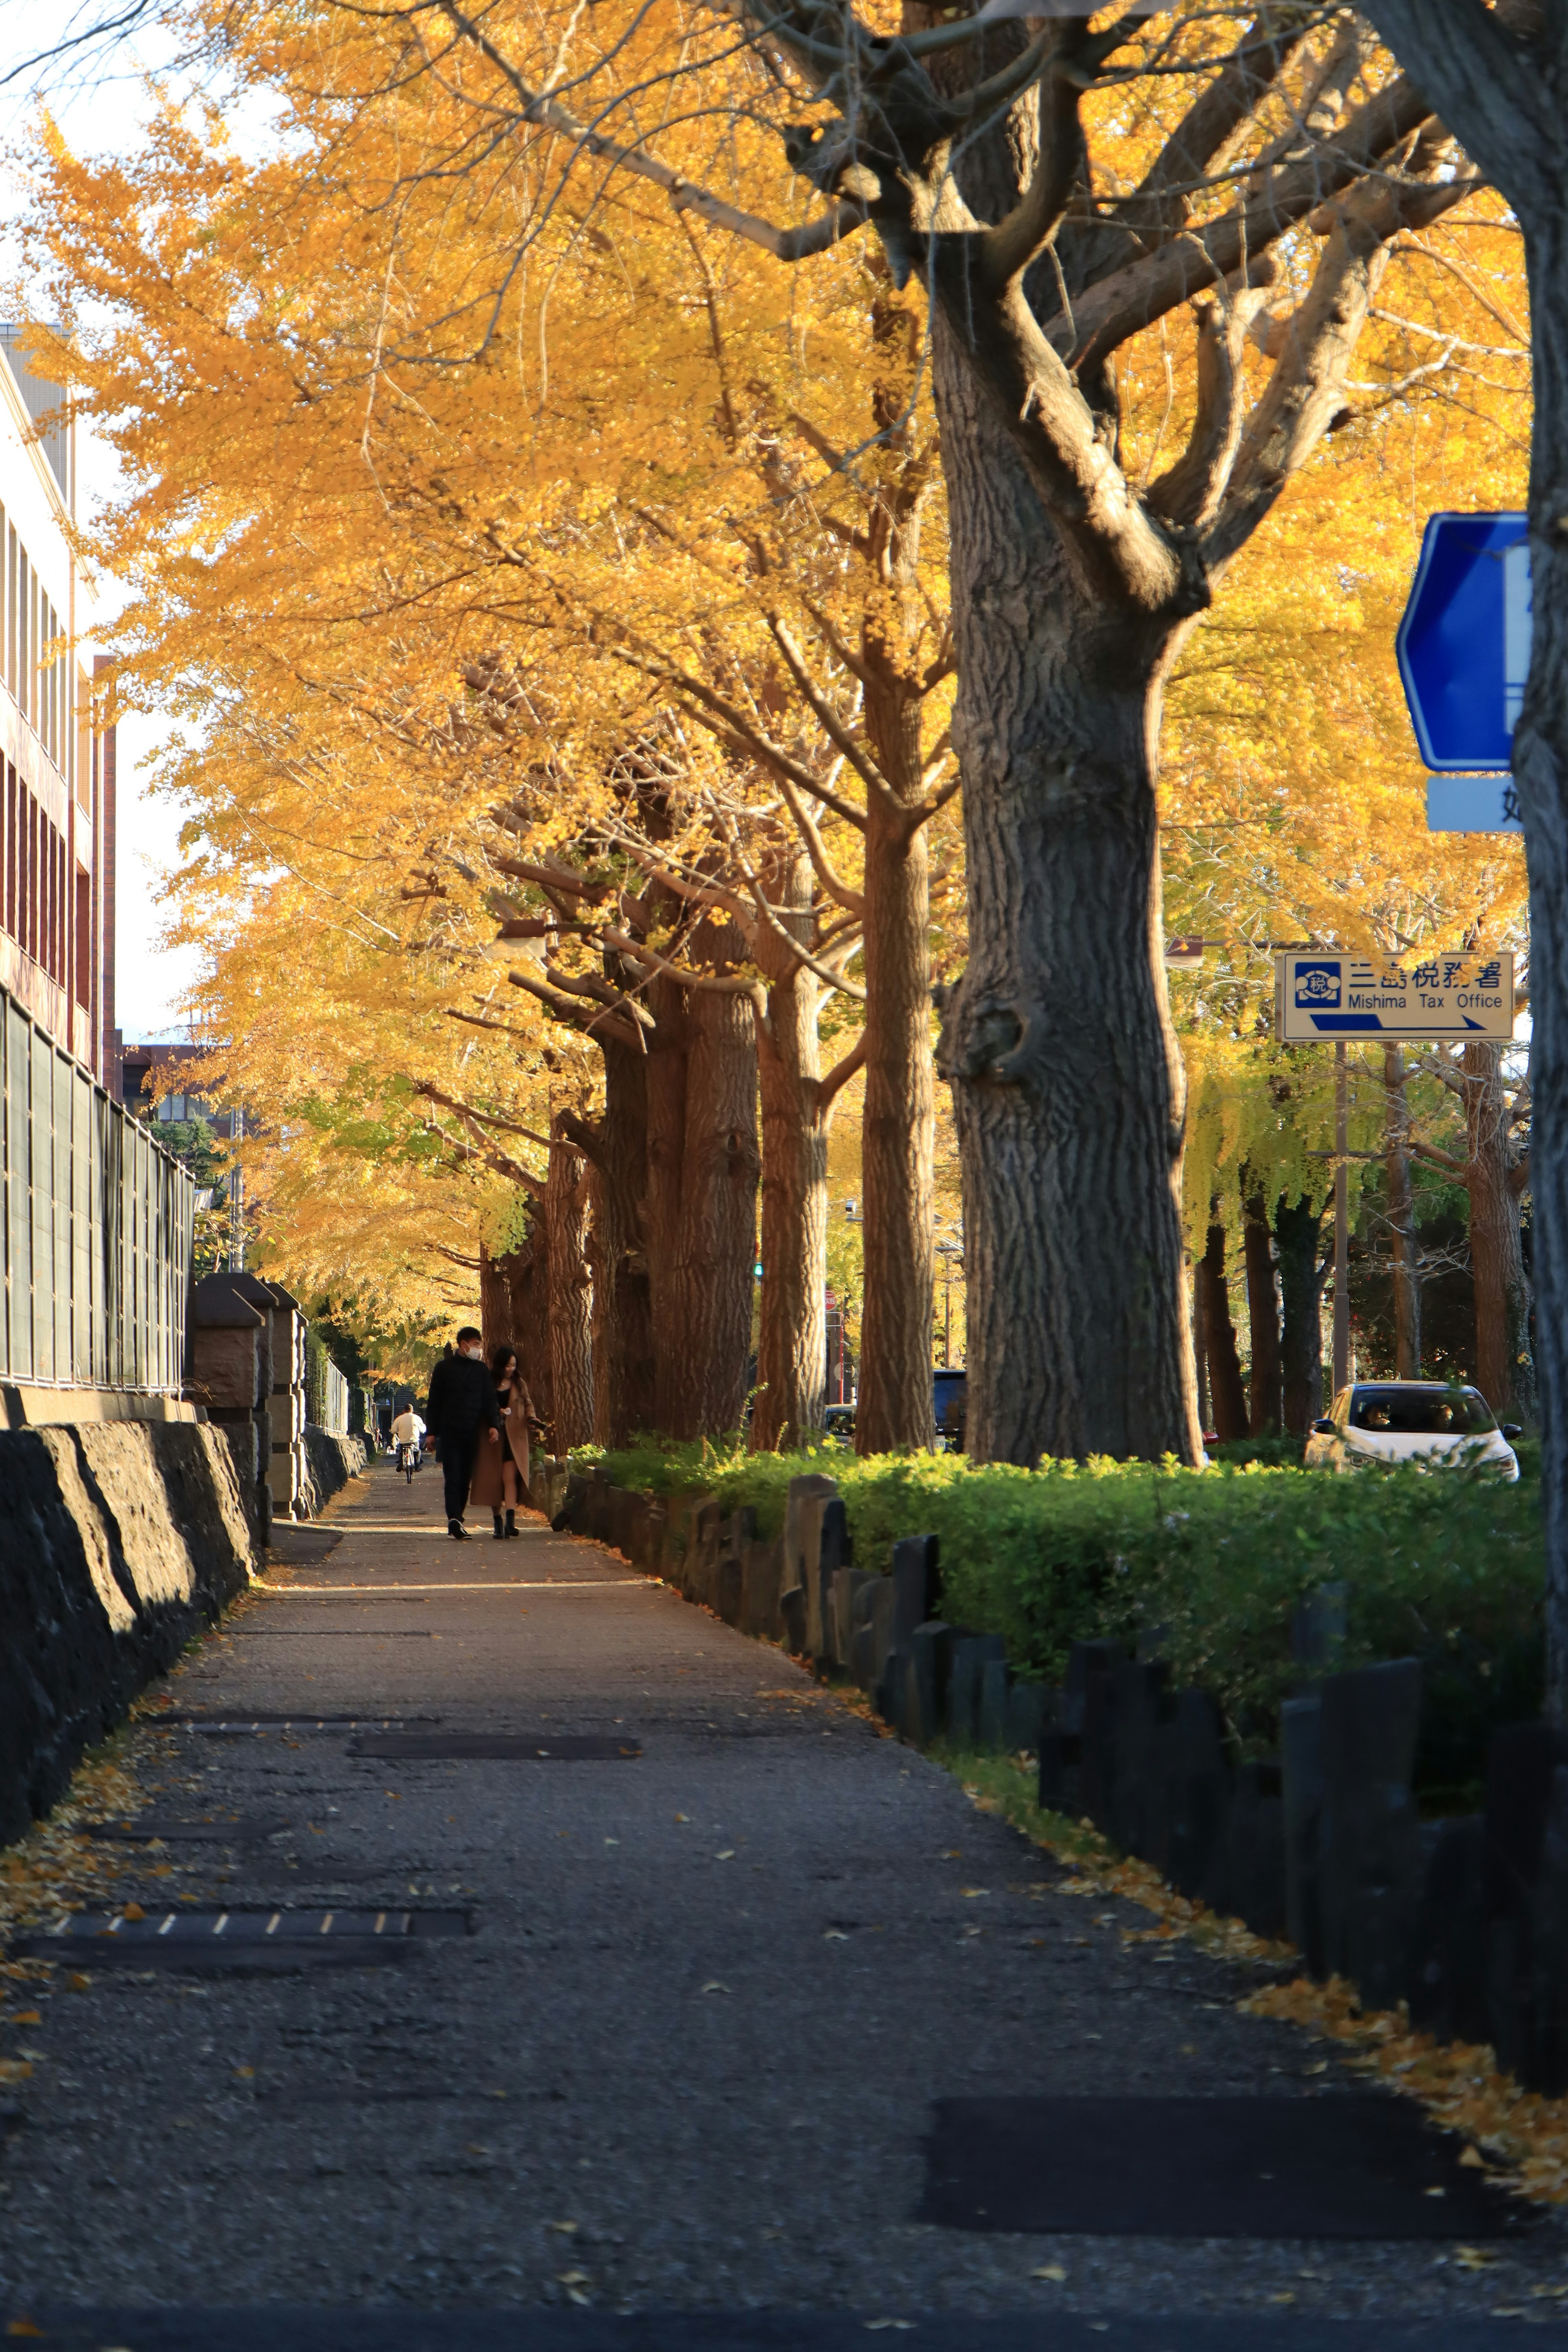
[(647, 2052)]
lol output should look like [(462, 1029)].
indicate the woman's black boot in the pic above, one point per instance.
[(499, 1531), (512, 1523)]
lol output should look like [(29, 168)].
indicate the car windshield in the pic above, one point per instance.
[(1421, 1412)]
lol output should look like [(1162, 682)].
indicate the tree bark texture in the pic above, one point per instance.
[(1403, 1247), (495, 1300), (1505, 98), (1298, 1233), (711, 1279), (1226, 1389), (1068, 1087), (666, 1068), (1504, 1372), (569, 1288), (792, 1350), (1265, 1398), (1200, 1352), (623, 1330), (896, 1403)]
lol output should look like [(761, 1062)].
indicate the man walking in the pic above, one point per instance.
[(463, 1413)]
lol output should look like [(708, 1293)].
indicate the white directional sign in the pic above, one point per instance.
[(1472, 805), (1319, 995)]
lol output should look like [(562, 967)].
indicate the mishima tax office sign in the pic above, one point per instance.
[(1320, 996)]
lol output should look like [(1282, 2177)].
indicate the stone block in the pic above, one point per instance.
[(1137, 1705), (792, 1611), (1449, 1960), (888, 1690), (1256, 1846), (699, 1580), (1196, 1855), (1027, 1703), (832, 1558), (915, 1584), (761, 1567), (862, 1656), (803, 1546), (1061, 1753), (880, 1601), (1301, 1763), (1370, 1845), (993, 1686), (930, 1663), (971, 1652), (1526, 1830), (730, 1594)]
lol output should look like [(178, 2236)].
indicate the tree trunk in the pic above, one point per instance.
[(711, 1285), (1504, 1372), (1263, 1313), (897, 1403), (669, 1044), (1541, 766), (1404, 1249), (792, 1350), (1225, 1385), (1068, 1093), (623, 1334), (528, 1331), (495, 1300), (570, 1298), (1199, 1351), (1297, 1231)]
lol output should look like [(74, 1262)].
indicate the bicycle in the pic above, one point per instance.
[(408, 1461)]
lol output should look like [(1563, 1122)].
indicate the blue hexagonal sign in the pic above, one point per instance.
[(1464, 643)]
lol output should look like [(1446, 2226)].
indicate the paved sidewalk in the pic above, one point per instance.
[(685, 2061)]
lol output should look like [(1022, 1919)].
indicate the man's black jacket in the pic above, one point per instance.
[(462, 1397)]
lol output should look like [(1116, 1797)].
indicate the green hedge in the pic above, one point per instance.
[(1447, 1568)]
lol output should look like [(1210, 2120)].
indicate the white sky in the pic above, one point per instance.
[(98, 111)]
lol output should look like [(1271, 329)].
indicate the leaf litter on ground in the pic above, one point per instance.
[(1519, 2137)]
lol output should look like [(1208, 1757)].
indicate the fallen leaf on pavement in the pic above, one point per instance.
[(714, 1985), (834, 1936), (28, 2017), (23, 2327), (1473, 2258), (133, 1911), (14, 2070), (1473, 2159), (728, 1854), (875, 2324), (1055, 2272), (565, 2228)]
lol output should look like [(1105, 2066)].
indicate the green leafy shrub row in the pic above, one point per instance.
[(1447, 1568)]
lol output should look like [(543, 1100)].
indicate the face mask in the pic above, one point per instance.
[(475, 1352)]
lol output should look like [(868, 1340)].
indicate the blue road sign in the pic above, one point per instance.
[(1464, 643)]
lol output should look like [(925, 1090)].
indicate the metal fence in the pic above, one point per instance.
[(96, 1227)]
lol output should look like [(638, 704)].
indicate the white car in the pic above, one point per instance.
[(1425, 1421)]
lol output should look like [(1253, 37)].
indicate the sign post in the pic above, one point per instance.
[(1423, 998), (1341, 1221)]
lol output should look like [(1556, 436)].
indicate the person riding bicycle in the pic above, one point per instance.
[(408, 1436)]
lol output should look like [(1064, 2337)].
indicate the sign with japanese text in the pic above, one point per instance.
[(1472, 805), (1319, 994)]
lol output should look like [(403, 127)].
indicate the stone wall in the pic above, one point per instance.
[(330, 1463), (118, 1542)]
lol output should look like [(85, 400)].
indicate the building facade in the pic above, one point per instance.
[(95, 1218), (57, 804)]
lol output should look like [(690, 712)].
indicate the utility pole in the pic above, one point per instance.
[(1341, 1221)]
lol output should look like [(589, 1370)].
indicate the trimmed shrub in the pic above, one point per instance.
[(1207, 1567)]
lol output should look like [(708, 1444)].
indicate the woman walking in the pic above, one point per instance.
[(501, 1478)]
